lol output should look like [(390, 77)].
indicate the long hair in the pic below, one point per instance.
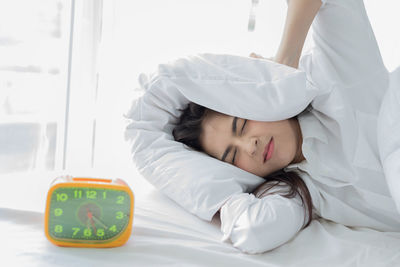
[(188, 130)]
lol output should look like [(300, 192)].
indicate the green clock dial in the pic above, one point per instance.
[(96, 215)]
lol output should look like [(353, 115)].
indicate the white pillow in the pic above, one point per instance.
[(250, 88)]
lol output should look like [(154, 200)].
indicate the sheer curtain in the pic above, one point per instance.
[(48, 83), (34, 52)]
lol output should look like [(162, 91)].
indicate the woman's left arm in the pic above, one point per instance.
[(256, 225), (300, 15)]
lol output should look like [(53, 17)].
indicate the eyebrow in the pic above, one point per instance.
[(234, 122)]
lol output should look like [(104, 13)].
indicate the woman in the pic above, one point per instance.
[(321, 163)]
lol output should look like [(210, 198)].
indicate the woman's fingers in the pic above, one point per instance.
[(255, 55), (258, 56)]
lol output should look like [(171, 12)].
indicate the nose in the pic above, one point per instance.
[(249, 145)]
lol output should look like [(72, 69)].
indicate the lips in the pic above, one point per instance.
[(266, 150)]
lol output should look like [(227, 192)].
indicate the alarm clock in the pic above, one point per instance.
[(88, 212)]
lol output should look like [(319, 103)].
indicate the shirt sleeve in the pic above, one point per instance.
[(256, 225), (345, 42)]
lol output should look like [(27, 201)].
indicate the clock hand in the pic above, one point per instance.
[(94, 227), (90, 215), (87, 224), (100, 222)]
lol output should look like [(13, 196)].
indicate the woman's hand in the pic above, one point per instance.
[(286, 60), (300, 15), (258, 56)]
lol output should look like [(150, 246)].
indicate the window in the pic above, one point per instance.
[(34, 52), (48, 83)]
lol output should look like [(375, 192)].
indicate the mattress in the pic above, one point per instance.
[(165, 234)]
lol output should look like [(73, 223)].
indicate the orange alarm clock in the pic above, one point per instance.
[(88, 212)]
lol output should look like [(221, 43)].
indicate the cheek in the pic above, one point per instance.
[(246, 164)]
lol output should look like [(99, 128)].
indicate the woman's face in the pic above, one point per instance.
[(248, 140)]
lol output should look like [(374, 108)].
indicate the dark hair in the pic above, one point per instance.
[(188, 131)]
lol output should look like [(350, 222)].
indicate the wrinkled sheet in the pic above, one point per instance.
[(165, 234)]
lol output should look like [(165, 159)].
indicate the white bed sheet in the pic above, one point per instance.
[(165, 234)]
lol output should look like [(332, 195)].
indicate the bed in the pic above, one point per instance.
[(158, 238)]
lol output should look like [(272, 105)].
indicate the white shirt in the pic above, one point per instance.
[(342, 169)]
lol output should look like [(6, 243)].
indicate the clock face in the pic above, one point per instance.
[(87, 214)]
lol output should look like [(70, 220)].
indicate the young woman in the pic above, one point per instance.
[(322, 163)]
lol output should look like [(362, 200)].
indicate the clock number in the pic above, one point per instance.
[(120, 215), (58, 212), (100, 232), (76, 230), (91, 194), (120, 199), (78, 194), (87, 232), (113, 228), (62, 197), (58, 228)]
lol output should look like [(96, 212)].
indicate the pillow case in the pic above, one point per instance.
[(250, 88)]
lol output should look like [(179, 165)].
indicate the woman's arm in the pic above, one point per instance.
[(256, 225), (300, 15)]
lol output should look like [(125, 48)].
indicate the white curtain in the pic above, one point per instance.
[(34, 50)]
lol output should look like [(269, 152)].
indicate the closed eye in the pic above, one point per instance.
[(241, 132)]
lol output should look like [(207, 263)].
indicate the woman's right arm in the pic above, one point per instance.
[(300, 15)]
